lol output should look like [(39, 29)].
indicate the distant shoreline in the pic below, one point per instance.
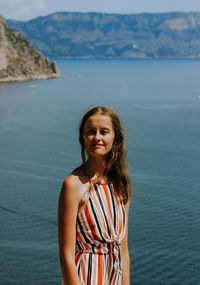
[(119, 58)]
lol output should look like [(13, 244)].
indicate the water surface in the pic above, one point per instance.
[(159, 104)]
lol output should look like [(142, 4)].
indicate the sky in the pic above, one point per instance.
[(27, 9)]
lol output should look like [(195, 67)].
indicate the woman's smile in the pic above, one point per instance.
[(97, 145)]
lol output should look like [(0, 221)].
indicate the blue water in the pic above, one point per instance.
[(159, 104)]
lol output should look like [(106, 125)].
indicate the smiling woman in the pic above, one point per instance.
[(94, 205), (98, 135)]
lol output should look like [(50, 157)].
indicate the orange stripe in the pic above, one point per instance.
[(91, 223), (100, 269), (78, 257)]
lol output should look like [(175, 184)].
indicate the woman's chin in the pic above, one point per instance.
[(97, 153)]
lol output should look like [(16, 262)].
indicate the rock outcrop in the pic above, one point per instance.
[(19, 60)]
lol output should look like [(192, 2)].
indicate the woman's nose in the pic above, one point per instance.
[(97, 136)]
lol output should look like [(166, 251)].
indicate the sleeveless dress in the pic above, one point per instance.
[(100, 228)]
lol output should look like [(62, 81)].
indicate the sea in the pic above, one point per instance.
[(158, 102)]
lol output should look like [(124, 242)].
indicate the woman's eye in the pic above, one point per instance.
[(90, 132), (104, 132)]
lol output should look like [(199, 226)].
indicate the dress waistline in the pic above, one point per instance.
[(112, 248)]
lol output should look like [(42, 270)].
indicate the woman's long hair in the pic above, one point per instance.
[(115, 165)]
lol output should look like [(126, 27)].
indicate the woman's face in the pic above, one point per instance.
[(98, 135)]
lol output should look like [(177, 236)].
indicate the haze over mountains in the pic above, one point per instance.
[(99, 35)]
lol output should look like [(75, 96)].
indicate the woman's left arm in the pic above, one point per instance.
[(125, 253)]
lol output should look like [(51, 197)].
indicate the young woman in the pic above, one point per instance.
[(94, 204)]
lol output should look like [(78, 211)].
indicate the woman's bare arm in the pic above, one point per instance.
[(125, 253), (68, 204)]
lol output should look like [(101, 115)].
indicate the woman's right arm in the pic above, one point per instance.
[(67, 212)]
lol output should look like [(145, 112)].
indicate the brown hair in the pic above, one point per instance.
[(115, 166)]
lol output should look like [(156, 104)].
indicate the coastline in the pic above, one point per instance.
[(27, 78)]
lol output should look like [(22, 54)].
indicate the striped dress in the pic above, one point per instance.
[(100, 228)]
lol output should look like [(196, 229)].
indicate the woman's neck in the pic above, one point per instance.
[(94, 167)]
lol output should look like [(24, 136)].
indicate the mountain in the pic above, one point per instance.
[(100, 35), (19, 60)]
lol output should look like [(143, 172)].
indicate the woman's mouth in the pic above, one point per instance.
[(97, 145)]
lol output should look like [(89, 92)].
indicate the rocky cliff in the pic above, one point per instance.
[(100, 35), (19, 60)]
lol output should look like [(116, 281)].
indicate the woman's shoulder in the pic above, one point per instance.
[(75, 181), (72, 191)]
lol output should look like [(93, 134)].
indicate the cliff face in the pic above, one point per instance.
[(159, 35), (19, 60)]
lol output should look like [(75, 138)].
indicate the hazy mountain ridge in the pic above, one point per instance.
[(165, 35), (19, 60)]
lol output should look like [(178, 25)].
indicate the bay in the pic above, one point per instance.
[(159, 104)]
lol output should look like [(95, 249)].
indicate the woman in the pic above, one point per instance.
[(94, 204)]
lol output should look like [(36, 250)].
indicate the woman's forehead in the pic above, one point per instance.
[(99, 121)]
